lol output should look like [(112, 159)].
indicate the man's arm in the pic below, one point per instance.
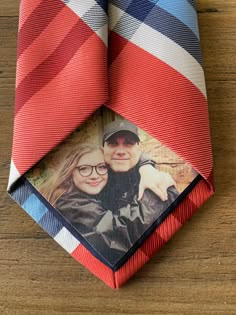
[(145, 159), (153, 179)]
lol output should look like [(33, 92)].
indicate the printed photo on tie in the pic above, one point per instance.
[(111, 184)]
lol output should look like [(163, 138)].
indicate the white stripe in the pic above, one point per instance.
[(171, 53), (164, 49), (115, 14), (14, 175), (66, 240), (80, 8), (103, 34)]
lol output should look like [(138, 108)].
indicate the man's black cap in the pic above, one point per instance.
[(118, 126)]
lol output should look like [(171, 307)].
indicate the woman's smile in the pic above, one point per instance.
[(93, 183)]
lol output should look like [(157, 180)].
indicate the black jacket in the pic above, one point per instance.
[(114, 220), (131, 216), (94, 223)]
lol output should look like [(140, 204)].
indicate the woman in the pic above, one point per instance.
[(75, 188), (76, 191), (65, 179)]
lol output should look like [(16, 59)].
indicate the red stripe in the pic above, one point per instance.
[(48, 69), (37, 21), (130, 267), (61, 105), (115, 50), (44, 45), (185, 210), (151, 246), (100, 270), (168, 229), (26, 9), (176, 112), (153, 243)]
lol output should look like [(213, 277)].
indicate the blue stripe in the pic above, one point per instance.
[(175, 30), (60, 220), (48, 217), (183, 11), (34, 207), (162, 21), (193, 3)]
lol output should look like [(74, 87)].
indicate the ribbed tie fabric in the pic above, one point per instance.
[(141, 59)]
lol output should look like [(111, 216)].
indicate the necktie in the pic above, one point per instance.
[(142, 60)]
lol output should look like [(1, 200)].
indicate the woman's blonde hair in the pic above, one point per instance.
[(62, 181)]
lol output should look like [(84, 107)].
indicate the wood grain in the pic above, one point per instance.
[(193, 274)]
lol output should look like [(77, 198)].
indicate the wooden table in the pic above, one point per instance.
[(193, 274)]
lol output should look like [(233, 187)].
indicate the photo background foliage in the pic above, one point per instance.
[(92, 131)]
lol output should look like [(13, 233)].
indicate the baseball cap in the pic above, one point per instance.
[(117, 126)]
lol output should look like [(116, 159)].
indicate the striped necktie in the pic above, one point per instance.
[(142, 59)]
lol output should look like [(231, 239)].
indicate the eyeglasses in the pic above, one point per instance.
[(87, 170)]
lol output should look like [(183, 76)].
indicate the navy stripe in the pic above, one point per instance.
[(140, 9), (49, 224), (122, 4), (20, 191), (173, 28), (103, 4), (162, 21)]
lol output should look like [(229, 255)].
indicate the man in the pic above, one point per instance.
[(122, 153), (137, 193)]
